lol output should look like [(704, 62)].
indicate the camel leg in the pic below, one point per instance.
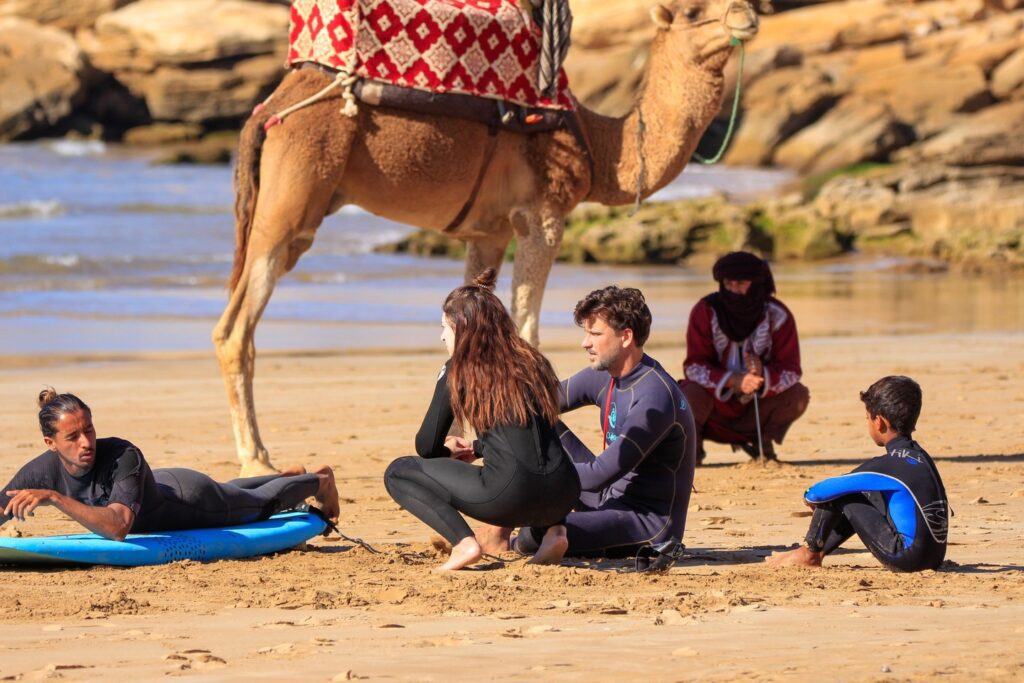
[(539, 236), (284, 224), (486, 253)]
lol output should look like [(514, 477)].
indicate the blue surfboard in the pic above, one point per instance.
[(280, 532)]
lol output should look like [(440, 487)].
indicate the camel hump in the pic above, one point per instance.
[(486, 48)]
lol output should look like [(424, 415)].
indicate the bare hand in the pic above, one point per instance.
[(24, 501), (461, 448), (751, 383), (755, 366)]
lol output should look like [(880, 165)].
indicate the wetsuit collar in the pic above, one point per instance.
[(638, 371), (900, 443)]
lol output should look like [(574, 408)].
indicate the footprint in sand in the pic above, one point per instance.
[(715, 522), (195, 659), (283, 650)]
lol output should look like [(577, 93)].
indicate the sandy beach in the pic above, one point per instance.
[(335, 611)]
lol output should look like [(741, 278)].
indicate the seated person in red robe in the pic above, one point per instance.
[(741, 342)]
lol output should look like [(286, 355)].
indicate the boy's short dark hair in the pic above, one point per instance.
[(621, 307), (897, 399)]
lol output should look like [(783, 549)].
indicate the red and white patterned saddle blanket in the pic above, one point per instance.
[(488, 48)]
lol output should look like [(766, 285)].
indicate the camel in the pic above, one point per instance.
[(416, 168)]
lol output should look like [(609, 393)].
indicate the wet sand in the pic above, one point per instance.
[(334, 611)]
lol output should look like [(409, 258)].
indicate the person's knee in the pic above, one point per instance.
[(398, 469), (699, 400), (799, 398)]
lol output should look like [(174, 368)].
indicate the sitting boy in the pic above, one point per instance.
[(895, 503)]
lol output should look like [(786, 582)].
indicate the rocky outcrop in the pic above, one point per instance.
[(850, 133), (65, 14), (1008, 77), (605, 67), (969, 218), (41, 71), (923, 212), (993, 136), (777, 106), (839, 83), (192, 60)]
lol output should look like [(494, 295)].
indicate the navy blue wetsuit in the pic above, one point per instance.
[(637, 491), (895, 503), (162, 499)]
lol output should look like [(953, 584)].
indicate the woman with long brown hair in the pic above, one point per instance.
[(507, 391)]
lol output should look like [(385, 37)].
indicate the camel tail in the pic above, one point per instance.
[(247, 187)]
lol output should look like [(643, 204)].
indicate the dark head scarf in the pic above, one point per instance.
[(738, 314)]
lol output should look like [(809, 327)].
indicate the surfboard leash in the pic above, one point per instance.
[(331, 526)]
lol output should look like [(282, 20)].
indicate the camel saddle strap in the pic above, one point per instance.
[(492, 143)]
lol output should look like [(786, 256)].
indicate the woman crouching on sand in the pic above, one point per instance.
[(508, 393), (106, 485)]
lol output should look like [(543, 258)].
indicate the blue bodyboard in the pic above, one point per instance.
[(280, 532)]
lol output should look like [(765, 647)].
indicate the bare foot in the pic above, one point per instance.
[(464, 553), (552, 546), (494, 540), (293, 471), (327, 494), (798, 557)]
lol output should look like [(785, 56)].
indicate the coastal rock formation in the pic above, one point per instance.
[(40, 77), (1008, 77), (922, 212), (191, 60), (827, 86), (972, 218), (837, 83), (992, 136), (65, 14)]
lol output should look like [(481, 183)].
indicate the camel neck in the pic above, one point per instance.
[(652, 144)]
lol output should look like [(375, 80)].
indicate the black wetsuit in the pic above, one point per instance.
[(637, 491), (895, 503), (162, 499), (526, 480)]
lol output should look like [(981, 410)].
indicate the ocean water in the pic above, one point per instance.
[(103, 251)]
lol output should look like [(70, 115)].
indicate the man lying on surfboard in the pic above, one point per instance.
[(106, 485)]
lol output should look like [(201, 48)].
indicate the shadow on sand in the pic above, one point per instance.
[(782, 464)]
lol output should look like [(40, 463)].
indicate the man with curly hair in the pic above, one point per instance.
[(637, 490)]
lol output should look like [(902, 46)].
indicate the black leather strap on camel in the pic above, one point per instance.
[(492, 143)]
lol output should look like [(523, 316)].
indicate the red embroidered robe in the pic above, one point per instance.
[(711, 356)]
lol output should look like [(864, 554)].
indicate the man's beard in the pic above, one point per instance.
[(602, 363)]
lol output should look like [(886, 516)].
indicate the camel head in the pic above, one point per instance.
[(706, 28)]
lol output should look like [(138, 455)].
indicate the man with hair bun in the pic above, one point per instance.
[(107, 486), (637, 490), (743, 360)]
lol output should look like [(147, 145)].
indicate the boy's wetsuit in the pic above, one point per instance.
[(162, 499), (895, 503), (526, 480), (637, 491)]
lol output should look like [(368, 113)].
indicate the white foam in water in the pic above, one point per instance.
[(68, 261), (78, 148), (34, 208)]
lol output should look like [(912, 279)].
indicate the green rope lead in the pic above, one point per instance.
[(734, 41)]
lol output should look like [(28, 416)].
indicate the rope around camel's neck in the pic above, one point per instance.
[(641, 176)]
